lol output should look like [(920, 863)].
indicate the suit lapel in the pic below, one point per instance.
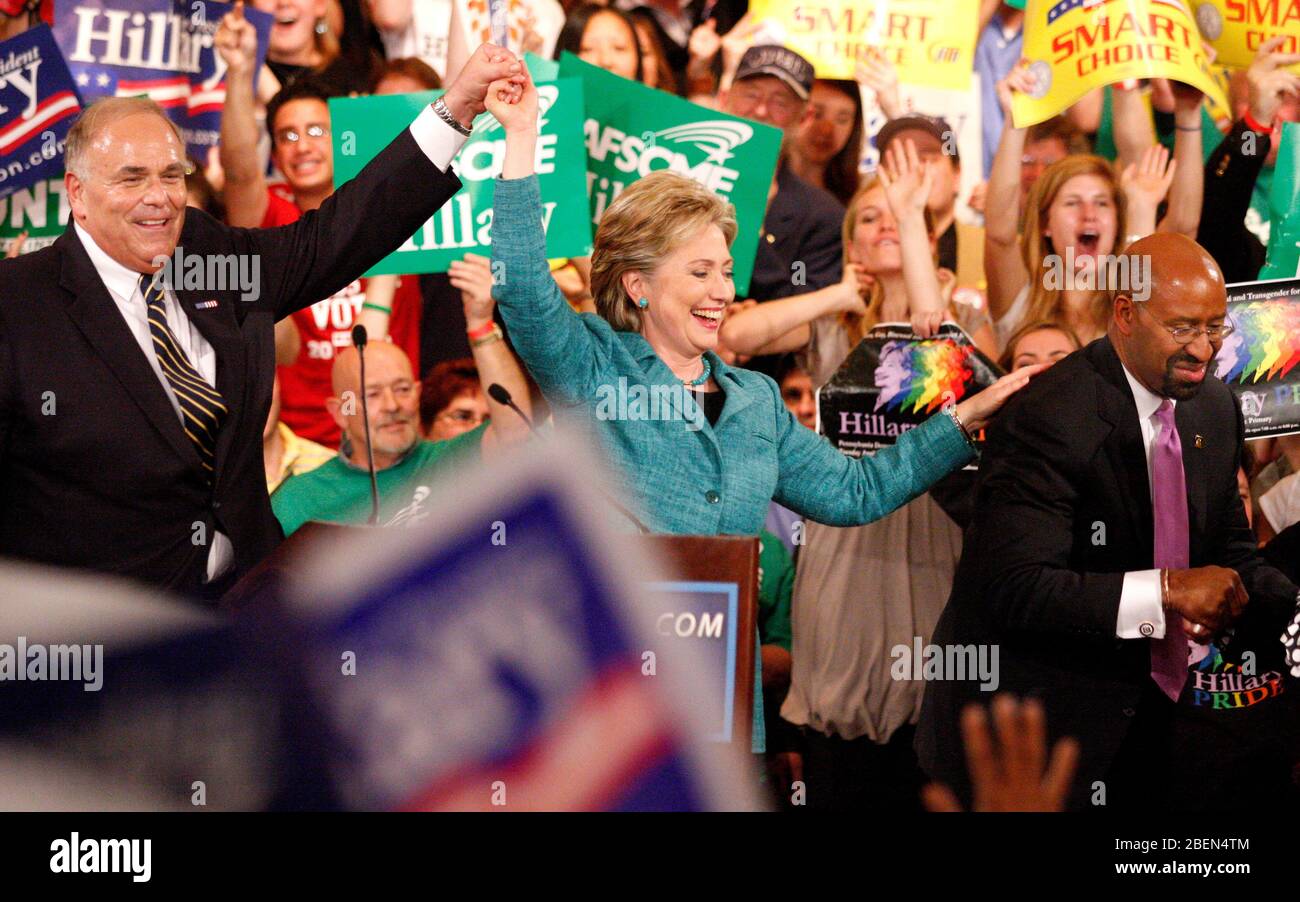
[(1125, 449), (95, 314), (1187, 419)]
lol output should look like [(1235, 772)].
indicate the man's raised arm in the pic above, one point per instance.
[(245, 183)]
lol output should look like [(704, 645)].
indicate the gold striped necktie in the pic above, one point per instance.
[(202, 408)]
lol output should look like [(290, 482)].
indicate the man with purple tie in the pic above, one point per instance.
[(1111, 563)]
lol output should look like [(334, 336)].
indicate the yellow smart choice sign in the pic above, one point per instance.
[(1237, 28), (1073, 46), (930, 42)]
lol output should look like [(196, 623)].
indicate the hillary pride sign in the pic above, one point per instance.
[(1073, 46), (930, 42), (162, 49), (38, 103)]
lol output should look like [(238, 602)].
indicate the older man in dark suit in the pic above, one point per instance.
[(1109, 546), (131, 408)]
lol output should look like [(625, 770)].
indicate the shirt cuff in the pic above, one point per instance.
[(439, 141), (1141, 615)]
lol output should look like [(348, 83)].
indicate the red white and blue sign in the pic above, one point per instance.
[(160, 48), (38, 103)]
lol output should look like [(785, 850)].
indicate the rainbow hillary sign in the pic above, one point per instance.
[(1260, 359), (894, 381)]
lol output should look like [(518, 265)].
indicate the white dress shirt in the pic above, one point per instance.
[(1139, 601), (440, 143)]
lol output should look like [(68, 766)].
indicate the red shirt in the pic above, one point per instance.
[(325, 327)]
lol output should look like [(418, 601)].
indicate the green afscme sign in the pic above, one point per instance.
[(632, 130), (363, 126)]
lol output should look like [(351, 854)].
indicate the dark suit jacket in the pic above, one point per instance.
[(803, 225), (1230, 175), (1062, 512), (95, 470)]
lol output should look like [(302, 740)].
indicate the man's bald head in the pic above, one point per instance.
[(380, 355), (1184, 290), (391, 395)]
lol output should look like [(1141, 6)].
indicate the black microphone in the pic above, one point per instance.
[(359, 341), (497, 392)]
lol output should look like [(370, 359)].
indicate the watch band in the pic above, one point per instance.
[(445, 115)]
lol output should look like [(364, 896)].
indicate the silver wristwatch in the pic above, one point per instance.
[(445, 115)]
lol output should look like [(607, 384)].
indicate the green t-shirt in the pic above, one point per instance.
[(775, 586), (338, 492)]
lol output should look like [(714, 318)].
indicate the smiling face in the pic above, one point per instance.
[(131, 195), (687, 293), (875, 234), (608, 42), (828, 126), (1083, 216), (892, 373), (293, 33), (308, 162), (1187, 290), (392, 399)]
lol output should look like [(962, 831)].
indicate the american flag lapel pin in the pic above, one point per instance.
[(208, 305)]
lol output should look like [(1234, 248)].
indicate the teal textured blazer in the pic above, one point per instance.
[(682, 475)]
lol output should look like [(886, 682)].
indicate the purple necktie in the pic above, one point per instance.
[(1169, 505)]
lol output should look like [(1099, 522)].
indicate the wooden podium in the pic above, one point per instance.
[(717, 571)]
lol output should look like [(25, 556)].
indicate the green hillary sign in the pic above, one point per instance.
[(363, 126), (632, 130)]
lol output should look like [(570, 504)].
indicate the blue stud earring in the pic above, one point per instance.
[(642, 303)]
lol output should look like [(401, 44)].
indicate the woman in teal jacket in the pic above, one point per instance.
[(701, 447)]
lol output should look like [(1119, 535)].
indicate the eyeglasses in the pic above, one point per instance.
[(465, 417), (779, 103), (1185, 335), (291, 135)]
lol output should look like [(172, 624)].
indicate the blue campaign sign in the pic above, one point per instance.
[(38, 103), (703, 614), (500, 661), (159, 48)]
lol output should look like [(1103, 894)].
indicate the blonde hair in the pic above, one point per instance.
[(1045, 303), (99, 115), (649, 220), (858, 325)]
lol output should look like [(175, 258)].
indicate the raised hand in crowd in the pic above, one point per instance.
[(907, 182), (236, 42), (472, 276), (1015, 774), (1145, 184), (1003, 267), (878, 73), (1269, 81)]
